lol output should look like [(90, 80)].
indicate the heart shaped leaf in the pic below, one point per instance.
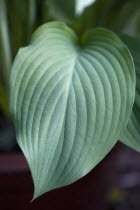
[(70, 100), (131, 135)]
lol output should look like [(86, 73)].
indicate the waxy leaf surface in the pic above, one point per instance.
[(70, 99)]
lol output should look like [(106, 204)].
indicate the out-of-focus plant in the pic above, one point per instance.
[(114, 15), (5, 55), (131, 135), (71, 91)]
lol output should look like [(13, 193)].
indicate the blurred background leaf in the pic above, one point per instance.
[(138, 24), (5, 50), (131, 135), (21, 21), (62, 10), (4, 100), (107, 13)]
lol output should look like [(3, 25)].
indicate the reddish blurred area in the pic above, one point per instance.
[(106, 187)]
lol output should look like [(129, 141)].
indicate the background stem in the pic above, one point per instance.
[(5, 60)]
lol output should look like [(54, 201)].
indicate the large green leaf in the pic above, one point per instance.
[(70, 99), (131, 135)]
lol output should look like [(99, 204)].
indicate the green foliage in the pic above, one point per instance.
[(70, 105), (5, 58), (4, 100), (61, 10), (71, 95), (5, 52), (107, 13), (131, 135), (21, 26), (138, 24)]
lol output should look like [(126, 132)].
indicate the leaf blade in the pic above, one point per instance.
[(70, 102)]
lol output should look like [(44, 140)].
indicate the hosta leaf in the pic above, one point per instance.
[(70, 99), (131, 135)]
